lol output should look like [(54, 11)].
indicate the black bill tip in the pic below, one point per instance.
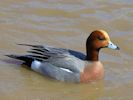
[(117, 48)]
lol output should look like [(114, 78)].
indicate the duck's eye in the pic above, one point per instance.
[(101, 38)]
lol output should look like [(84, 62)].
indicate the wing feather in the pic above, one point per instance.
[(56, 56)]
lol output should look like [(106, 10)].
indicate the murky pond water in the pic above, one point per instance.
[(67, 24)]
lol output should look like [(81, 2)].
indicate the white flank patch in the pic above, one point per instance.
[(35, 65), (67, 70)]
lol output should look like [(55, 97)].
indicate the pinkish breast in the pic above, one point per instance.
[(92, 73)]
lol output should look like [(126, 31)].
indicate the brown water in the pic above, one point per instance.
[(67, 24)]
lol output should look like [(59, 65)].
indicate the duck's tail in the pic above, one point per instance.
[(25, 58)]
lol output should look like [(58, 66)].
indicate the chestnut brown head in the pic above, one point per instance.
[(100, 39)]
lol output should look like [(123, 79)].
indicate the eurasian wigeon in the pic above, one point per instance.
[(69, 65)]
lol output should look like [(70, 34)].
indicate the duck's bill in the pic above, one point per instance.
[(113, 46)]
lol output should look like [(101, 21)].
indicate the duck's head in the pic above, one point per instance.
[(98, 39)]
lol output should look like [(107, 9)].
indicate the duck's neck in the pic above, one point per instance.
[(92, 54)]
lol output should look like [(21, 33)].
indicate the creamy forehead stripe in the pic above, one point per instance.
[(105, 34)]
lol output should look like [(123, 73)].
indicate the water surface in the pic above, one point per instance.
[(66, 24)]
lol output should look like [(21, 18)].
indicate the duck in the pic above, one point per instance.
[(68, 65)]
